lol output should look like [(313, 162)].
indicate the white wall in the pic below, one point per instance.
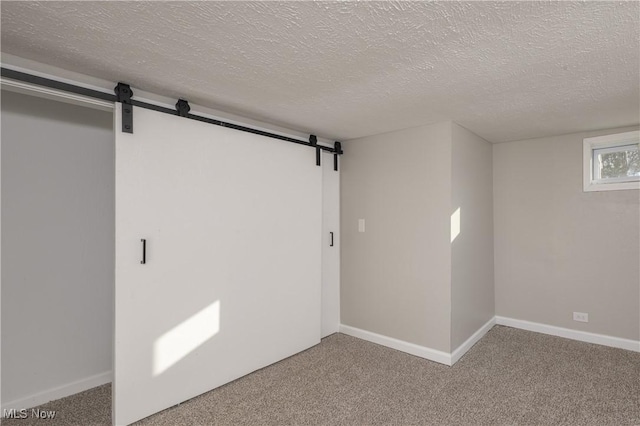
[(395, 277), (57, 245), (405, 277), (472, 292), (559, 249)]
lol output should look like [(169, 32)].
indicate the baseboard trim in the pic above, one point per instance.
[(400, 345), (59, 392), (567, 333), (475, 337)]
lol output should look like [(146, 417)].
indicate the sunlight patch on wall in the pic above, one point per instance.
[(455, 224), (184, 338)]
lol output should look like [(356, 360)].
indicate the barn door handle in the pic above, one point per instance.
[(144, 251), (331, 239)]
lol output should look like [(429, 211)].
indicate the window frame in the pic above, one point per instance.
[(604, 142)]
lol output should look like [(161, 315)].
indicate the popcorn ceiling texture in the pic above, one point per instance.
[(505, 70)]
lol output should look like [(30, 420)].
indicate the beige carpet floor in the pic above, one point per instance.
[(510, 377)]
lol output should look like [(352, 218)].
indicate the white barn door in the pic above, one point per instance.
[(232, 224), (330, 246)]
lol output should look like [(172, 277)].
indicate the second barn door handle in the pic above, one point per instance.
[(144, 251), (331, 239)]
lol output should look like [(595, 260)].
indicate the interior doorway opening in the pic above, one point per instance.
[(58, 216)]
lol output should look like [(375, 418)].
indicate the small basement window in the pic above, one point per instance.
[(612, 162)]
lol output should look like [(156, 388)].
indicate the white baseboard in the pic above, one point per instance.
[(463, 348), (567, 333), (400, 345), (59, 392), (450, 359)]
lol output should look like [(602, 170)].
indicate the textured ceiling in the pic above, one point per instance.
[(505, 70)]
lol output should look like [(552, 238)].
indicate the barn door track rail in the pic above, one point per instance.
[(124, 94)]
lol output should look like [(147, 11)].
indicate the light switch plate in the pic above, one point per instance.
[(360, 225)]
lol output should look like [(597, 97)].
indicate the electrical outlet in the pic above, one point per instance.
[(581, 316)]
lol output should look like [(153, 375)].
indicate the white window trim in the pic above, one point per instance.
[(599, 142)]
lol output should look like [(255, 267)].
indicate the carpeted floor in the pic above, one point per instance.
[(509, 377)]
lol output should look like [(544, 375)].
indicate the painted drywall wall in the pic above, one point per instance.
[(395, 276), (559, 249), (57, 244), (472, 292)]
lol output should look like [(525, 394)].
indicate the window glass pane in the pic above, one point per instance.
[(617, 162)]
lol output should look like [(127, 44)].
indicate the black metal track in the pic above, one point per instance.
[(41, 81)]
